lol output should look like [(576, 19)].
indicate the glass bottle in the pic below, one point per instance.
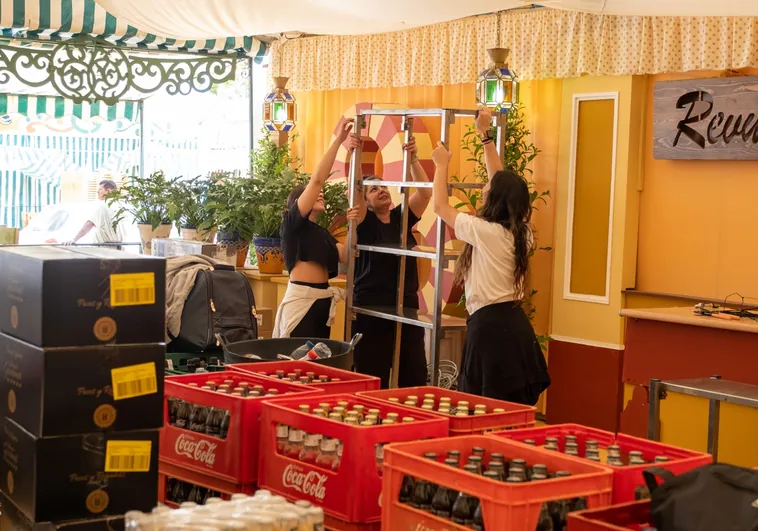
[(444, 498)]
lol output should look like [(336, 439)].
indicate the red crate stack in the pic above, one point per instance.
[(634, 516), (340, 381), (513, 416), (206, 481), (234, 459), (505, 506), (352, 492), (628, 479)]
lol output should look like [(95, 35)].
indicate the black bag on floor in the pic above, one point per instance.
[(717, 497), (221, 302)]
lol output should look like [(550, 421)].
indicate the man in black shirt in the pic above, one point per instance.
[(376, 280)]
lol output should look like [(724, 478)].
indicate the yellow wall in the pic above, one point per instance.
[(591, 322), (592, 195), (697, 221), (318, 112)]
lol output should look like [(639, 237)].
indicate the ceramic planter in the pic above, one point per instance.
[(241, 248), (147, 233), (269, 254)]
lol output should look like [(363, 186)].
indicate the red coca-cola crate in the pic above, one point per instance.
[(352, 493), (234, 459), (226, 489), (628, 478), (514, 416), (634, 516), (335, 524), (505, 506), (349, 382)]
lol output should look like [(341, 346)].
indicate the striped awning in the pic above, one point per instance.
[(60, 20), (58, 107)]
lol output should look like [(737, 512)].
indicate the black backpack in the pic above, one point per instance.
[(221, 302), (717, 497)]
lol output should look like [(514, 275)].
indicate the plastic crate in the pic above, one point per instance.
[(350, 382), (226, 489), (635, 516), (335, 524), (505, 507), (515, 415), (352, 493), (179, 362), (234, 459), (628, 478)]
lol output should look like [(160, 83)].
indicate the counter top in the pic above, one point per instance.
[(685, 316), (283, 278)]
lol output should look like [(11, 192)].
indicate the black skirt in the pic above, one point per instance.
[(502, 358)]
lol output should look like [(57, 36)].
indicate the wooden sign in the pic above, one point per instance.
[(706, 119)]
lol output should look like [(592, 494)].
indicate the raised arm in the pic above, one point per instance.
[(492, 159), (359, 207), (441, 199), (420, 198), (310, 195)]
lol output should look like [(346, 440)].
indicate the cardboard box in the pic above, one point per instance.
[(14, 520), (70, 390), (60, 297), (79, 476), (265, 318)]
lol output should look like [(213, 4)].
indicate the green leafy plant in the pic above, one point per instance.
[(233, 200), (146, 199), (518, 155), (275, 172), (190, 203)]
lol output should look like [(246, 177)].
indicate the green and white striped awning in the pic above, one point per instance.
[(61, 20), (60, 107)]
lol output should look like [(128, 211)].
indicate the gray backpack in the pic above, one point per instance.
[(221, 302)]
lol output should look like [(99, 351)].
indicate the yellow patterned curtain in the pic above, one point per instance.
[(544, 43)]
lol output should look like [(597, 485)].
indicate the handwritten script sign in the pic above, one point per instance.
[(714, 119)]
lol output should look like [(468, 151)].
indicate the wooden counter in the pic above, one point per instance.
[(674, 344), (685, 316)]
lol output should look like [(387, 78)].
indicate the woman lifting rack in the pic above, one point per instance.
[(501, 358)]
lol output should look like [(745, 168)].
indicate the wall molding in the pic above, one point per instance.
[(567, 294), (587, 342)]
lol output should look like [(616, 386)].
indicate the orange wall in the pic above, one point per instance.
[(318, 112), (697, 229)]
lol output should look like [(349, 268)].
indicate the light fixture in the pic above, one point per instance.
[(279, 111), (497, 86)]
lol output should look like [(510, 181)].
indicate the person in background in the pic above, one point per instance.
[(376, 279), (102, 219), (311, 255), (502, 358)]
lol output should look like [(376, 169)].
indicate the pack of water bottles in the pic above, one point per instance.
[(259, 512)]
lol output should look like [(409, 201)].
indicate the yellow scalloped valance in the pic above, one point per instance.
[(544, 43)]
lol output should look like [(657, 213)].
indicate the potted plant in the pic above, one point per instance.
[(147, 200), (270, 202), (233, 201), (191, 210)]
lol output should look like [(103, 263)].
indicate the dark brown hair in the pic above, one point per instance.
[(509, 204)]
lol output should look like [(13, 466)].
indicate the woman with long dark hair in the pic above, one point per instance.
[(311, 255), (502, 357)]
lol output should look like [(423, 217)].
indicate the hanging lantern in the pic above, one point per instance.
[(279, 110), (497, 86)]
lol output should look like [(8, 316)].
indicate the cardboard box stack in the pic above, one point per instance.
[(81, 395)]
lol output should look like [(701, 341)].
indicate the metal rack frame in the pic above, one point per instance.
[(435, 321), (714, 389)]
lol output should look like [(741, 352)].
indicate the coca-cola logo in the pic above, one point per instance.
[(200, 450), (310, 483)]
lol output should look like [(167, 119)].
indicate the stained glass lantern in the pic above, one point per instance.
[(279, 108), (497, 86)]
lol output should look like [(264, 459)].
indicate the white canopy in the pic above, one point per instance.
[(209, 19)]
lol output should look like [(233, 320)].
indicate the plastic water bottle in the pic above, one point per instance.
[(309, 351)]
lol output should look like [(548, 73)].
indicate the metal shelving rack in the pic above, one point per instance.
[(434, 321)]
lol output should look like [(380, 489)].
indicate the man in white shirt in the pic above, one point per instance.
[(102, 219)]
